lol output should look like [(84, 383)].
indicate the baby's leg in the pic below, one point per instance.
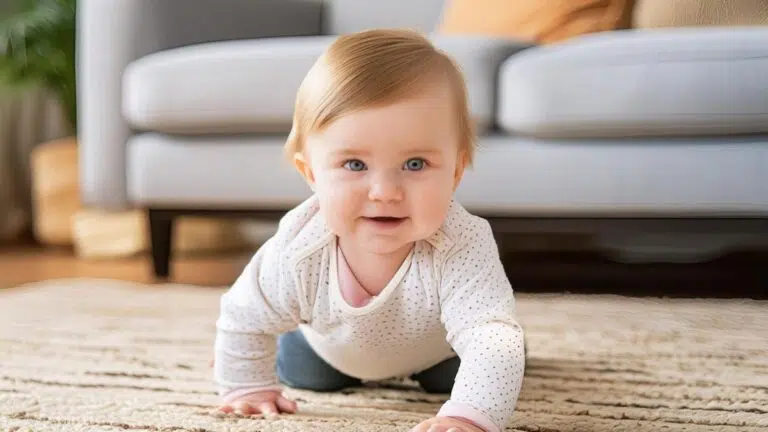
[(440, 377), (299, 367)]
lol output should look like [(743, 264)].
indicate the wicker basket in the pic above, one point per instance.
[(55, 190)]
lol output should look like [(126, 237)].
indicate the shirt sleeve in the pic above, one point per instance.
[(478, 311), (264, 302)]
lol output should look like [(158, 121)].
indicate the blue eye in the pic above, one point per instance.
[(415, 164), (354, 165)]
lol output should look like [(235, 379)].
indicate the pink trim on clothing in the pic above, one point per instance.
[(351, 291), (466, 412), (233, 395)]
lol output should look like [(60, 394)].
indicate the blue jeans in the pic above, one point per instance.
[(299, 367)]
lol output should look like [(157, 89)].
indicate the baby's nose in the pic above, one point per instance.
[(386, 187)]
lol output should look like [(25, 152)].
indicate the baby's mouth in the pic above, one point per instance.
[(386, 221)]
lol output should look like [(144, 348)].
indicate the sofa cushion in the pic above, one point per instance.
[(222, 87), (250, 86), (511, 176), (212, 171), (347, 16), (665, 82)]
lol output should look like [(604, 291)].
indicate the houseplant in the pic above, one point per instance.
[(37, 49), (37, 77), (37, 42)]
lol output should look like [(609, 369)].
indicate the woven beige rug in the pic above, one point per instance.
[(90, 355)]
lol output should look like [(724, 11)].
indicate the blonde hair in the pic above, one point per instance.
[(374, 68)]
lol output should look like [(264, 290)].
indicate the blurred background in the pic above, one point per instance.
[(623, 143)]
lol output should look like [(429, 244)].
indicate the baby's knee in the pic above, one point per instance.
[(312, 380), (299, 367)]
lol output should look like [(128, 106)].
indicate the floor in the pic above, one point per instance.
[(118, 359), (738, 275), (27, 263)]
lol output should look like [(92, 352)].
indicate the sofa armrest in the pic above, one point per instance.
[(112, 34)]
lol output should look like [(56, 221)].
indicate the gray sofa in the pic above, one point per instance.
[(185, 104)]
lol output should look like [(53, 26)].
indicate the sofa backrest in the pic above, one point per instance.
[(345, 16)]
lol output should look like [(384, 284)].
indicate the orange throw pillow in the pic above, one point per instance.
[(540, 21)]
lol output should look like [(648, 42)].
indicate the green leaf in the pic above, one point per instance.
[(37, 47)]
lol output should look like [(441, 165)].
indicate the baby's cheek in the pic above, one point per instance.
[(327, 186), (341, 202), (342, 193), (436, 216), (434, 209)]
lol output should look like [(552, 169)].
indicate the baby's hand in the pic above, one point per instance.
[(446, 424), (267, 403)]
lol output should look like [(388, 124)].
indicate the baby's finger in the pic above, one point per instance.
[(226, 409), (268, 408), (421, 427), (286, 405), (244, 408), (442, 428)]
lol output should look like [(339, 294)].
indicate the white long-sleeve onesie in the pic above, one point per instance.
[(450, 294)]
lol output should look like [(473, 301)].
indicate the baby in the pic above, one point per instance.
[(381, 273)]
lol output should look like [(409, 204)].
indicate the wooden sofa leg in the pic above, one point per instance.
[(161, 238)]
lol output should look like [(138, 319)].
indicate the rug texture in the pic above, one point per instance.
[(92, 355)]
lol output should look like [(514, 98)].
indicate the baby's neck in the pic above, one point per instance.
[(373, 270)]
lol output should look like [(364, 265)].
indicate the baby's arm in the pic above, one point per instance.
[(262, 303), (479, 315)]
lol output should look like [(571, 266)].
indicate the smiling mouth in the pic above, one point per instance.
[(386, 220)]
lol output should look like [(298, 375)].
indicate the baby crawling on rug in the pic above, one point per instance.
[(380, 273)]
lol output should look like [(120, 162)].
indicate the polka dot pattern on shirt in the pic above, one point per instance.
[(453, 295)]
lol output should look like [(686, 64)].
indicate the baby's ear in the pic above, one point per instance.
[(461, 164), (302, 165)]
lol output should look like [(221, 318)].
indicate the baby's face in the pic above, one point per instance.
[(386, 175)]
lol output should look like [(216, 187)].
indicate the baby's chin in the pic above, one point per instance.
[(390, 248), (377, 245), (365, 239), (388, 245)]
